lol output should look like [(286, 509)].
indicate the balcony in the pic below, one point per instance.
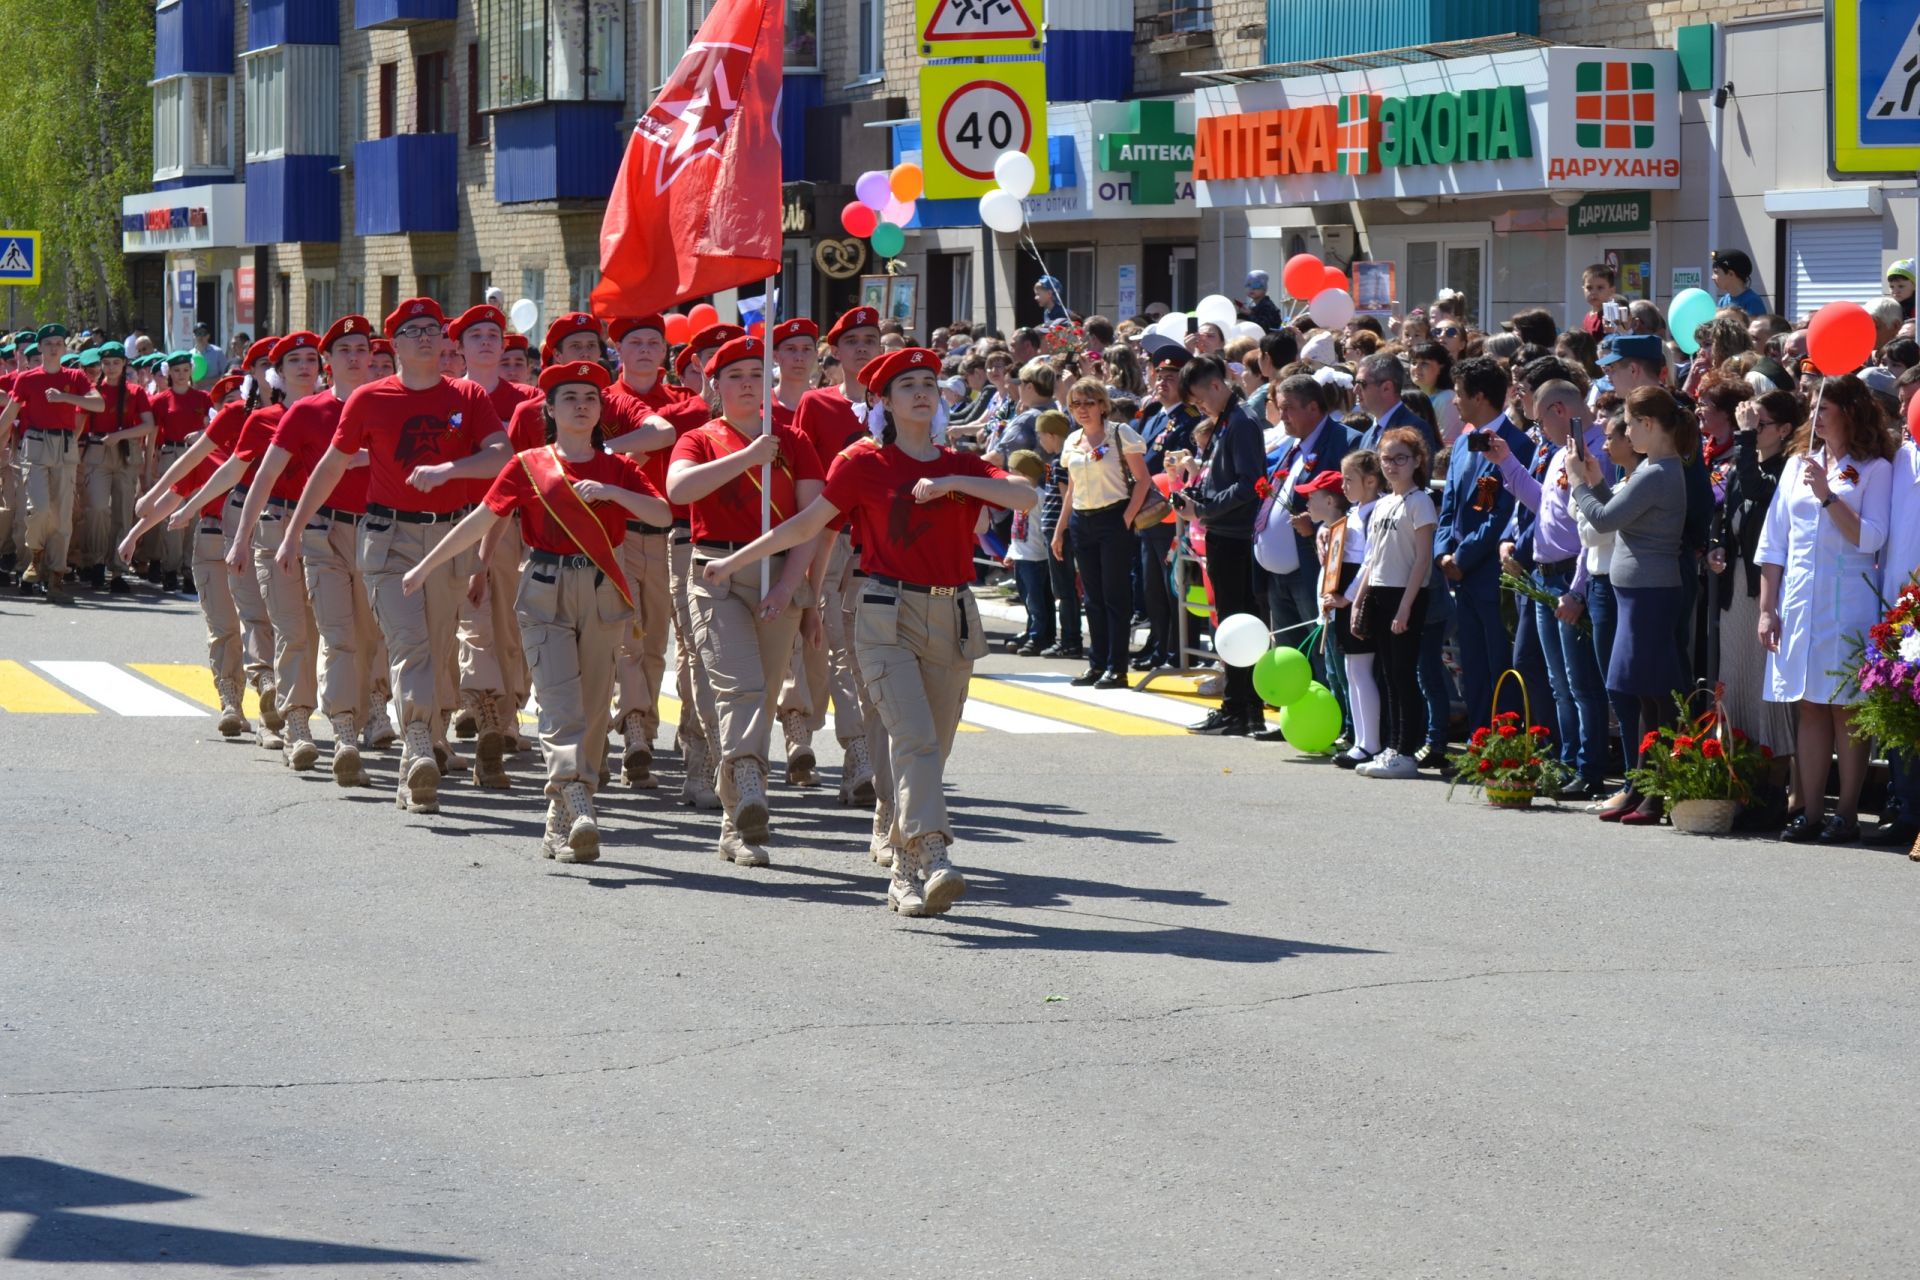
[(1311, 30), (293, 199), (406, 184), (193, 38), (278, 22), (556, 151), (372, 14)]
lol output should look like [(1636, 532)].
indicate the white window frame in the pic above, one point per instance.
[(175, 136), (678, 22), (292, 101), (1390, 242), (264, 74), (358, 85), (533, 284), (867, 24), (584, 280), (534, 51)]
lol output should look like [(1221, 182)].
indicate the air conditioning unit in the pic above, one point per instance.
[(1336, 240)]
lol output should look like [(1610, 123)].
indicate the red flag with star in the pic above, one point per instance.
[(696, 206)]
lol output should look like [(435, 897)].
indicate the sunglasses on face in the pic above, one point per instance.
[(1448, 332)]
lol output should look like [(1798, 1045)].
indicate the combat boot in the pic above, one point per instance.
[(302, 751), (944, 885), (419, 775), (33, 576), (750, 800), (904, 894), (271, 712), (466, 721), (553, 842), (583, 833), (735, 848), (801, 761), (490, 745), (348, 771), (59, 590), (378, 733), (636, 766), (233, 722), (856, 775), (697, 789), (881, 846)]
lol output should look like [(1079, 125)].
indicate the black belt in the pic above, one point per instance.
[(47, 433), (209, 525), (287, 504), (641, 526), (559, 561), (416, 517), (1551, 567), (883, 580), (338, 516)]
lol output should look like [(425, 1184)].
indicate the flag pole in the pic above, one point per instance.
[(766, 428)]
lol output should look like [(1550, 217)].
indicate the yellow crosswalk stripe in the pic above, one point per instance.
[(1002, 694), (23, 692), (190, 680)]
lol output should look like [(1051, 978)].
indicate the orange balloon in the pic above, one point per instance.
[(907, 182), (679, 329)]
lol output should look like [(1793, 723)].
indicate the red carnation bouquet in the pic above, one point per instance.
[(1509, 759), (1699, 758)]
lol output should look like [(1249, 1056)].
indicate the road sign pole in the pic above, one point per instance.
[(987, 265)]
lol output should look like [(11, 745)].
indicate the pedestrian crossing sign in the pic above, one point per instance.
[(1873, 78), (976, 28), (20, 257)]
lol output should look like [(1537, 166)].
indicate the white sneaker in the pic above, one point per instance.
[(1394, 765), (1370, 768)]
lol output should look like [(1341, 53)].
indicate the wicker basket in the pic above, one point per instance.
[(1509, 797), (1703, 817)]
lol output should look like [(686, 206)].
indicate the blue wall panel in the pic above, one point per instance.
[(556, 151), (406, 183), (387, 13), (1308, 30), (194, 37), (1089, 66), (272, 22), (293, 199)]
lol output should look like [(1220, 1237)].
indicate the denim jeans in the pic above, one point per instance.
[(1480, 637), (1066, 596), (1436, 686), (1579, 686), (1604, 612), (1529, 658), (1294, 598), (1036, 596)]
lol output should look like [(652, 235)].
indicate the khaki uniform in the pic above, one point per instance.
[(256, 625), (641, 663), (296, 640), (108, 494), (698, 716), (168, 549), (353, 656), (572, 617), (745, 659), (49, 468), (13, 502), (211, 579), (420, 629), (823, 675), (492, 657), (916, 652), (872, 727)]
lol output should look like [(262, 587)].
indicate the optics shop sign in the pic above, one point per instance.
[(1584, 119)]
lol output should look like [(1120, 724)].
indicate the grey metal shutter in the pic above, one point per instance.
[(1831, 260)]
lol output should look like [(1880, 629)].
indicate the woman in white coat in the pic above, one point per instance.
[(1819, 586)]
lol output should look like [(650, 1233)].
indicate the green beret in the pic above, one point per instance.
[(51, 331), (180, 357), (112, 349), (88, 358), (70, 362), (30, 352), (6, 351), (26, 338)]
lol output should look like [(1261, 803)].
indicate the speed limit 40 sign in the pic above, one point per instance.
[(971, 114)]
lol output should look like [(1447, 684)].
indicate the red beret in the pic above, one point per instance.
[(414, 309), (565, 327), (733, 352), (260, 350), (682, 360), (482, 314), (858, 318), (794, 329), (298, 340), (715, 335), (1320, 483), (228, 382), (382, 347), (556, 375), (344, 326), (515, 342), (881, 370), (618, 329)]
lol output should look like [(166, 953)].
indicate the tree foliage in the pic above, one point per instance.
[(76, 135)]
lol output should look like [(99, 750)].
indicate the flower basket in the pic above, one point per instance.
[(1507, 758), (1509, 797), (1703, 817)]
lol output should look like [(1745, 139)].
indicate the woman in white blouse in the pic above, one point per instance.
[(1819, 586), (1107, 483)]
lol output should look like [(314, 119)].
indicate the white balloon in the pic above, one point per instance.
[(1002, 211), (1240, 640), (1173, 325), (525, 314), (1250, 329), (1331, 308), (1217, 310), (1014, 172)]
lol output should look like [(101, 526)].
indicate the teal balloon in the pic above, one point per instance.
[(888, 240), (1690, 309), (1312, 721), (1282, 676)]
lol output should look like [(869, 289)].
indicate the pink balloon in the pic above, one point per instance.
[(898, 212)]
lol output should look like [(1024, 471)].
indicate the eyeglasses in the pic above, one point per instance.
[(417, 331), (1396, 459), (1085, 404)]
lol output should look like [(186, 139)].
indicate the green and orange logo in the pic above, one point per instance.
[(1613, 106)]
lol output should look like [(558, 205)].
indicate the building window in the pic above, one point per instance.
[(583, 282), (389, 297), (282, 300), (679, 21), (430, 93), (533, 286), (476, 123), (192, 126), (320, 311), (803, 36), (478, 282), (434, 286), (389, 97), (870, 37), (553, 51), (292, 107), (356, 111), (1188, 15), (355, 296)]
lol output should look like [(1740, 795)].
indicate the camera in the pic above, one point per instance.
[(1479, 441)]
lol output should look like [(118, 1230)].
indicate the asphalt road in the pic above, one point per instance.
[(1209, 1010)]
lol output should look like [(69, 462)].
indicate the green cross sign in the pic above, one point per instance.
[(1152, 152)]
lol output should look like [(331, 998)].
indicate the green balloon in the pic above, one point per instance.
[(1197, 601), (888, 240), (1281, 676), (199, 367), (1312, 721)]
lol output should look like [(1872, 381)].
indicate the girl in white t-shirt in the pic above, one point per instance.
[(1391, 603), (1360, 483)]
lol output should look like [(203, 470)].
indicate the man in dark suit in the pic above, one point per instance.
[(1377, 387), (1474, 511)]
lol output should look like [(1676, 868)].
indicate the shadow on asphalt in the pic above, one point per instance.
[(48, 1193)]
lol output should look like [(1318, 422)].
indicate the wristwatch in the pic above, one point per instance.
[(1828, 501)]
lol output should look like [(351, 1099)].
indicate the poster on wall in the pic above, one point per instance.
[(1128, 304), (1374, 291)]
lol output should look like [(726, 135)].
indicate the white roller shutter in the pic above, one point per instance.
[(1831, 260)]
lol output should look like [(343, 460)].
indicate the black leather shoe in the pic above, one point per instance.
[(1113, 680), (1348, 760), (1582, 789), (1028, 651), (1092, 675), (1839, 830), (1063, 651), (1217, 722), (118, 586), (1269, 735), (1801, 830), (1895, 834)]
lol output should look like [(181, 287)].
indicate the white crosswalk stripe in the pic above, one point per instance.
[(118, 691)]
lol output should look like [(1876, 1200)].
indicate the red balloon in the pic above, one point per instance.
[(1840, 337), (1336, 279), (702, 316), (859, 220), (1304, 275), (678, 329)]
